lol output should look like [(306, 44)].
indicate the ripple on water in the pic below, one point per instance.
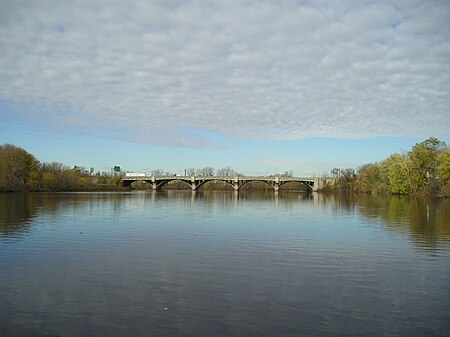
[(213, 264)]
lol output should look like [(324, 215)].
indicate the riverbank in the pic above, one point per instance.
[(423, 171)]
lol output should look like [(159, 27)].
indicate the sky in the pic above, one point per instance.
[(262, 86)]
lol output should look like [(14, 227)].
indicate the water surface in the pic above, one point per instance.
[(223, 264)]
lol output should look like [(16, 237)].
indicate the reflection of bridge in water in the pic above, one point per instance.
[(236, 182)]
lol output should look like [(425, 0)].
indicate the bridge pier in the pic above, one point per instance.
[(318, 184), (193, 184), (236, 184), (276, 184)]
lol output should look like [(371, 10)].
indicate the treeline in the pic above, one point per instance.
[(424, 170), (21, 171), (209, 171), (206, 171)]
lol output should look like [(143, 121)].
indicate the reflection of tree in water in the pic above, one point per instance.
[(16, 212), (427, 220), (54, 203)]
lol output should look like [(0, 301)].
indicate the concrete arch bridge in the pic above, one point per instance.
[(236, 182)]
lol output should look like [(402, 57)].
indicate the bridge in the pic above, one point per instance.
[(236, 182)]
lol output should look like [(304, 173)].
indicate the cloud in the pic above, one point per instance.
[(280, 70)]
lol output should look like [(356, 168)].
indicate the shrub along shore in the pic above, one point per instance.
[(424, 170)]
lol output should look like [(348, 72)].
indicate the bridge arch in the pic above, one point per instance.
[(253, 181), (126, 183), (309, 185), (202, 183), (162, 183)]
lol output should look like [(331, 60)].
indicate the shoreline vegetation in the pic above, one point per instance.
[(424, 170)]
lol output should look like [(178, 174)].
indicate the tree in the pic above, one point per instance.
[(50, 181), (287, 174), (52, 176), (19, 170), (158, 172), (116, 180), (369, 179), (207, 171), (444, 171), (424, 164), (227, 172), (443, 166), (346, 180), (397, 169)]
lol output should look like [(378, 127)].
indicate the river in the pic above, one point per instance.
[(182, 263)]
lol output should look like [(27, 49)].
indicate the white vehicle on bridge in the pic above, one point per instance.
[(134, 174)]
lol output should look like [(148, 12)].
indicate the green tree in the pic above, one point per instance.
[(444, 171), (443, 167), (398, 172), (369, 179), (424, 164)]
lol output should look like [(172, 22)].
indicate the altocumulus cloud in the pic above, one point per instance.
[(153, 71)]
